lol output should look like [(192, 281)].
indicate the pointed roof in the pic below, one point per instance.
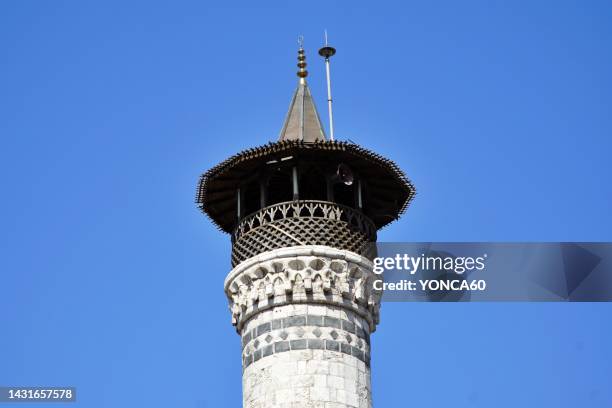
[(302, 122), (389, 190)]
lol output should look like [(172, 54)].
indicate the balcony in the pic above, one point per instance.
[(303, 222)]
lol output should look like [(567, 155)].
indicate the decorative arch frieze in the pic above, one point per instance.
[(304, 274)]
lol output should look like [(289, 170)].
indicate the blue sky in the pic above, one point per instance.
[(111, 280)]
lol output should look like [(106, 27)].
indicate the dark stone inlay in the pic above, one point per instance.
[(315, 320), (345, 348), (348, 326), (246, 338), (295, 321), (268, 351), (298, 344), (357, 353), (332, 345), (281, 346), (364, 334), (312, 344), (315, 344), (331, 322), (303, 320), (263, 328), (247, 361)]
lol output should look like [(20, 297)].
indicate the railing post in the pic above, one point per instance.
[(294, 173), (262, 192), (330, 189), (238, 204), (300, 209)]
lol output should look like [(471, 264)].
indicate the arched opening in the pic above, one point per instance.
[(280, 186), (312, 184), (344, 194), (251, 197)]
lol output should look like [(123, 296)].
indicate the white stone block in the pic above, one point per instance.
[(341, 396), (337, 369), (307, 378), (317, 310), (351, 399), (350, 386), (320, 380), (350, 373), (300, 309), (334, 381), (319, 394)]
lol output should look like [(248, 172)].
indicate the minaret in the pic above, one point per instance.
[(302, 213)]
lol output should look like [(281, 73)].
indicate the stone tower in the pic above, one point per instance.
[(302, 213)]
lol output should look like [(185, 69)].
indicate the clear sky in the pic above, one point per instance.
[(111, 280)]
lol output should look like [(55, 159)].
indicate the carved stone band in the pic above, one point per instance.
[(303, 274), (305, 332)]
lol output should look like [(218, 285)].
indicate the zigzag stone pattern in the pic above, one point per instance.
[(305, 332), (305, 315)]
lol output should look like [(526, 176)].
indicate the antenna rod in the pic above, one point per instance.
[(327, 52)]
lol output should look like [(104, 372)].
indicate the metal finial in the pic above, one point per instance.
[(302, 73), (326, 52)]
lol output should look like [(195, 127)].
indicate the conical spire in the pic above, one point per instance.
[(302, 121)]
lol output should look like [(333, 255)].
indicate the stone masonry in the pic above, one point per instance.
[(303, 214), (305, 315)]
